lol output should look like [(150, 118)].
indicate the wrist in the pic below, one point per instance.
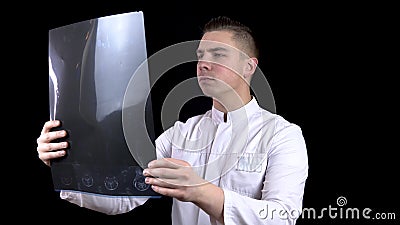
[(201, 192), (207, 193), (210, 198)]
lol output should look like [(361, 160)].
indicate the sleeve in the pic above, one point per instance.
[(283, 186), (164, 144), (109, 205)]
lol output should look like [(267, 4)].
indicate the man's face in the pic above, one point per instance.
[(220, 64)]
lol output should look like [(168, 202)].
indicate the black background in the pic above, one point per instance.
[(330, 67)]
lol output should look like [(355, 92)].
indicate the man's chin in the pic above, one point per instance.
[(207, 91)]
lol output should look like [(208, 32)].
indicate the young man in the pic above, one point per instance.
[(236, 164)]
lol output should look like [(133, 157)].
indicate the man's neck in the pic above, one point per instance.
[(230, 104)]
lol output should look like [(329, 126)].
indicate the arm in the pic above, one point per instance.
[(175, 178), (211, 199), (283, 186)]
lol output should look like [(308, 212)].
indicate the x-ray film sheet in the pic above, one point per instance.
[(90, 65)]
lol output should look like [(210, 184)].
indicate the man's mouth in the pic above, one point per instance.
[(204, 78)]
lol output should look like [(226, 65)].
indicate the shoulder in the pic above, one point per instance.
[(184, 127), (192, 121), (277, 124), (283, 137)]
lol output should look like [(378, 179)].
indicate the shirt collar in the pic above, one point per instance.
[(247, 110)]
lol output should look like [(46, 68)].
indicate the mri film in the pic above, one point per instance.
[(90, 66)]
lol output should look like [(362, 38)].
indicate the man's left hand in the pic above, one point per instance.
[(174, 178)]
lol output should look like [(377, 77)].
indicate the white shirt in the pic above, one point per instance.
[(260, 163)]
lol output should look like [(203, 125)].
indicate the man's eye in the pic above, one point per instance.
[(218, 55)]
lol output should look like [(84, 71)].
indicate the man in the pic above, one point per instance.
[(235, 164)]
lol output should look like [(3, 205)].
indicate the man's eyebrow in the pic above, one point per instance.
[(200, 51)]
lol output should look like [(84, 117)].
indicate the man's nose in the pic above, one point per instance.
[(204, 65)]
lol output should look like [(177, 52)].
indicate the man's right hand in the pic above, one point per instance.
[(45, 148)]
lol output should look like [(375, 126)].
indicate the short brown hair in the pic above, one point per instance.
[(241, 33)]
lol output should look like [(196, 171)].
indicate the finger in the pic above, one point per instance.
[(168, 163), (175, 193), (46, 156), (49, 147), (160, 182), (163, 173), (51, 136), (49, 125), (174, 183)]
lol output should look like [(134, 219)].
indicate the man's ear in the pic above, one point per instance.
[(250, 67)]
